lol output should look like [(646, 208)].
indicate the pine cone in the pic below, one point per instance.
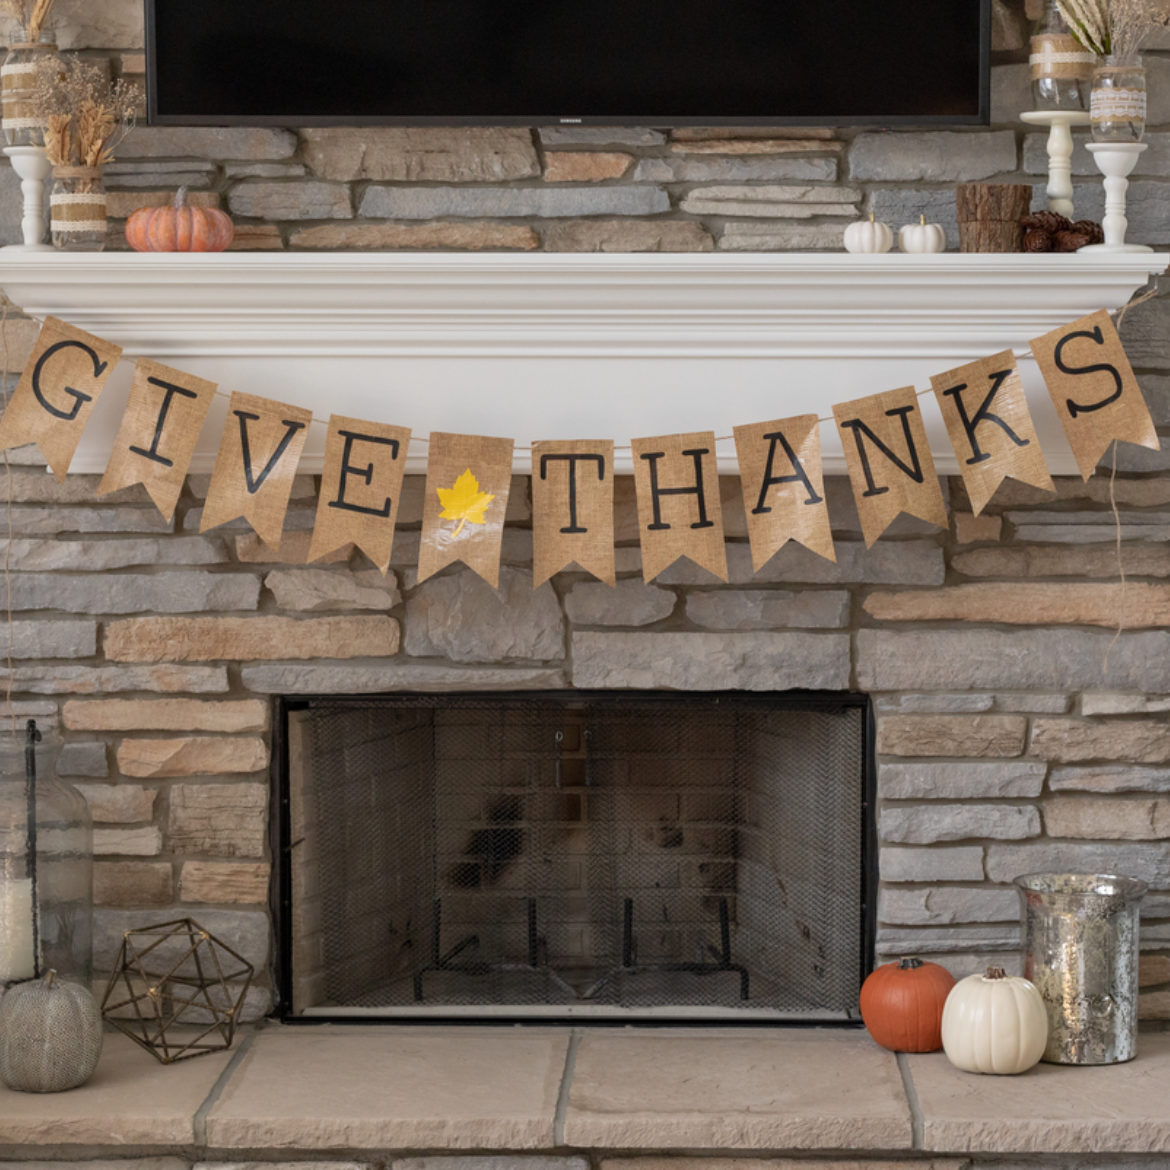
[(1069, 241), (1047, 221), (1037, 240), (1094, 231)]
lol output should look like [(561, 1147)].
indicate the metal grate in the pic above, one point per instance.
[(577, 855)]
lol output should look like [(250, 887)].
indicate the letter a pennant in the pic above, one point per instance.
[(255, 466), (1094, 389), (56, 393)]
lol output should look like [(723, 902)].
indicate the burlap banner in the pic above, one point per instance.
[(986, 414), (1094, 389), (164, 415), (468, 479), (783, 487), (676, 478), (56, 393), (572, 508), (890, 465), (361, 488), (255, 465)]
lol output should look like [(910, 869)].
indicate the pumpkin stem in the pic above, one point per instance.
[(872, 216), (995, 973), (909, 964), (50, 975), (180, 198), (922, 220)]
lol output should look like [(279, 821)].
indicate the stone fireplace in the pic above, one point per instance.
[(578, 855)]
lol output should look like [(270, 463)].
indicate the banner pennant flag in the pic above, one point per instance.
[(468, 480), (985, 410), (572, 508), (361, 489), (783, 487), (680, 512), (1094, 390), (890, 465), (255, 466), (56, 394), (158, 433)]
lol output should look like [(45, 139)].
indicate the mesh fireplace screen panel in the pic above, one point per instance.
[(583, 856)]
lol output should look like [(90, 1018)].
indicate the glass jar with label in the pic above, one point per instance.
[(77, 209), (1061, 66)]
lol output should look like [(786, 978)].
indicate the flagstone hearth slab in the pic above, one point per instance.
[(131, 1100), (774, 1089), (1116, 1109), (330, 1088)]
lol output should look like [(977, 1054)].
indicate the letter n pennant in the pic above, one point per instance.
[(1094, 389), (890, 465), (680, 512), (57, 392), (468, 480), (783, 487), (986, 413), (361, 488), (159, 430), (572, 508), (255, 466)]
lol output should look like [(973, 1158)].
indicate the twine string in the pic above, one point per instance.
[(10, 671), (1120, 560)]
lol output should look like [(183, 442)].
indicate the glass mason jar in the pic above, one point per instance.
[(46, 863), (1118, 107), (18, 76), (77, 209), (1061, 66)]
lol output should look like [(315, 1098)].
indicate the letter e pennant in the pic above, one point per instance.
[(361, 488), (159, 430), (468, 480), (783, 487), (572, 508), (254, 468), (890, 465), (57, 392), (1094, 389)]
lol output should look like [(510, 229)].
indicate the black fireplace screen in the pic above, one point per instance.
[(575, 855)]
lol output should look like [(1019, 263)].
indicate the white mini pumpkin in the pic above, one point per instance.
[(867, 235), (922, 237), (994, 1023), (50, 1035)]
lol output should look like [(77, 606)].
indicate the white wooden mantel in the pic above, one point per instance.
[(550, 346)]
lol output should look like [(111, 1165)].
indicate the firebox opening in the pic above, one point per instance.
[(577, 855)]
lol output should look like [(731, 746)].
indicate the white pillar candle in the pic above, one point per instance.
[(16, 929)]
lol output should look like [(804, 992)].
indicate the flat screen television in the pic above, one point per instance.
[(589, 62)]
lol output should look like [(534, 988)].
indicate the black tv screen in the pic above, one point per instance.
[(535, 62)]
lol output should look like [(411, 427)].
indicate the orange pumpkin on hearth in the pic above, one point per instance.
[(179, 228), (902, 1004)]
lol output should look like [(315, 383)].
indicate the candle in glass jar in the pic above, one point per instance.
[(16, 929)]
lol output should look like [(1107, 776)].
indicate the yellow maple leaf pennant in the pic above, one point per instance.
[(464, 502)]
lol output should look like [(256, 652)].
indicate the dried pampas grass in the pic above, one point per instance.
[(86, 114), (1114, 28), (29, 14)]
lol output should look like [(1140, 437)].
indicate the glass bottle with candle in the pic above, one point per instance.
[(46, 864)]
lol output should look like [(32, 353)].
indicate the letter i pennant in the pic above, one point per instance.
[(1094, 389), (361, 488), (159, 430), (255, 466), (57, 392)]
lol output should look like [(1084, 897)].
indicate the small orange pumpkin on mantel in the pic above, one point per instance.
[(902, 1005), (179, 228)]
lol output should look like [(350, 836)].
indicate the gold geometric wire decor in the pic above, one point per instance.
[(177, 990)]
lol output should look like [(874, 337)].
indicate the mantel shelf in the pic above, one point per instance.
[(563, 346)]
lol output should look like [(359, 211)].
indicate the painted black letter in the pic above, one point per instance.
[(698, 491), (912, 469), (571, 459), (77, 396), (365, 473), (983, 414), (1094, 334), (254, 485), (169, 391), (799, 475)]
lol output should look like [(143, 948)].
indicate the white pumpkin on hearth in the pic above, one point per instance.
[(994, 1023)]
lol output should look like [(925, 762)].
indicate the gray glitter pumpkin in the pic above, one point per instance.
[(50, 1036)]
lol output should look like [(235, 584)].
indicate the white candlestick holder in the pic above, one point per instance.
[(1060, 148), (30, 163), (1115, 160)]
